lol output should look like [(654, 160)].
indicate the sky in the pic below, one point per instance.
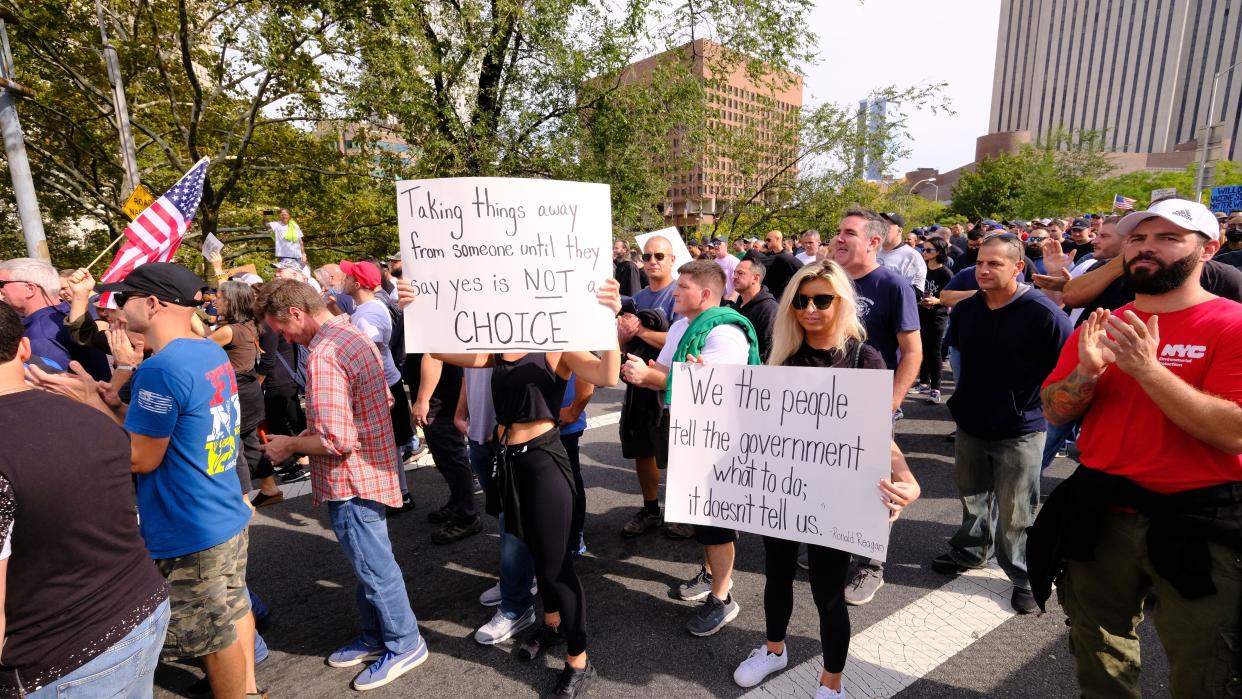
[(865, 45)]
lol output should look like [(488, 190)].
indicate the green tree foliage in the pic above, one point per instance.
[(1139, 185)]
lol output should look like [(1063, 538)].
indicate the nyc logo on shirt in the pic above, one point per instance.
[(1177, 355), (222, 442)]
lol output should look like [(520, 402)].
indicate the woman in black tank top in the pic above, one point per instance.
[(534, 482)]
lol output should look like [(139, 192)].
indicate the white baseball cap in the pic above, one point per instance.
[(1182, 213)]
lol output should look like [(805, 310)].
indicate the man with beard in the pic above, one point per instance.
[(1156, 504), (753, 300), (623, 270)]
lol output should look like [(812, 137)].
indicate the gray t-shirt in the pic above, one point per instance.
[(373, 319), (907, 262), (479, 405)]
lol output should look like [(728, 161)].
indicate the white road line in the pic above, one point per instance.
[(892, 654), (297, 490)]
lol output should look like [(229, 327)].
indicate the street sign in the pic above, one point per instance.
[(1163, 193), (138, 201)]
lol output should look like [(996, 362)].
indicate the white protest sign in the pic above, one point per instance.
[(681, 255), (790, 452), (505, 265), (211, 246)]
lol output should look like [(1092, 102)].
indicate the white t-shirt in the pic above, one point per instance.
[(285, 248), (373, 319), (907, 262), (805, 258), (725, 344), (728, 263)]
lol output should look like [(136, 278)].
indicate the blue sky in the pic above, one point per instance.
[(905, 42)]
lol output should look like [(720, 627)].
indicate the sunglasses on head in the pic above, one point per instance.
[(1007, 237), (648, 255), (821, 301)]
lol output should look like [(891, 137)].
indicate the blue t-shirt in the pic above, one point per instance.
[(571, 390), (886, 306), (190, 502), (663, 300)]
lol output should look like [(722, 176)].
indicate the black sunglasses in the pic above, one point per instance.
[(1007, 237), (123, 296), (1035, 240), (821, 301), (929, 249), (16, 281), (648, 255)]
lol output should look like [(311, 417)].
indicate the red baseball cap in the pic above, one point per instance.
[(367, 274)]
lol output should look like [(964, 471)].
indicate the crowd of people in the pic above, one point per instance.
[(193, 403)]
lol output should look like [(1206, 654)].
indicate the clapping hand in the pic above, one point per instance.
[(1055, 259), (1094, 355), (1132, 343)]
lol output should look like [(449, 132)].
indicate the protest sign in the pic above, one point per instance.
[(1227, 198), (505, 265), (211, 246), (681, 255), (789, 452), (1163, 193)]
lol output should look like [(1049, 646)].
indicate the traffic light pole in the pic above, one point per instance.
[(15, 150)]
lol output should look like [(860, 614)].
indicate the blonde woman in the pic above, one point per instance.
[(817, 325)]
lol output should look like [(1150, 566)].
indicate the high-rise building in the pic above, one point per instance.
[(713, 182), (1140, 70)]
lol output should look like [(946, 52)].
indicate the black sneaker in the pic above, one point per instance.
[(441, 516), (475, 486), (407, 504), (538, 641), (295, 476), (712, 615), (642, 520), (456, 531), (946, 564), (573, 682), (1023, 601)]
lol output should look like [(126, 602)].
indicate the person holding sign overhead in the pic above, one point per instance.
[(711, 332), (535, 483), (818, 326)]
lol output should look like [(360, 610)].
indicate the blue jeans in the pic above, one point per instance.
[(955, 364), (1057, 436), (517, 568), (998, 483), (361, 526), (126, 669)]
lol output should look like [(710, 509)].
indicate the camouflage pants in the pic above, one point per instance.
[(208, 596)]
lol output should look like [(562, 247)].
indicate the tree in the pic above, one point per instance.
[(240, 81)]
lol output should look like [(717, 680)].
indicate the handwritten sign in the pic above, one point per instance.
[(211, 245), (789, 452), (1227, 199), (505, 265), (681, 254)]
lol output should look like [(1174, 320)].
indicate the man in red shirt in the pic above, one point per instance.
[(1157, 503), (353, 464)]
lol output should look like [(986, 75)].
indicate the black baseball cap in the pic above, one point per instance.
[(1080, 223), (894, 218), (166, 281)]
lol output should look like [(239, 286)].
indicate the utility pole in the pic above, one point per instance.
[(15, 149), (1209, 129), (128, 153)]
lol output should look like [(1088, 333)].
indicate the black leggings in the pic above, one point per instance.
[(829, 568), (570, 442), (931, 331), (547, 512)]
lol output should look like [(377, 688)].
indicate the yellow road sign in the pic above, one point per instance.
[(138, 201)]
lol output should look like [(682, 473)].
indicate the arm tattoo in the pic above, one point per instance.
[(1067, 399)]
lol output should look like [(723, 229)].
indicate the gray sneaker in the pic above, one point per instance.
[(698, 587), (642, 520), (863, 586), (502, 628), (712, 616)]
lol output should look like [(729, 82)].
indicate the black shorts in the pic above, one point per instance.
[(640, 428), (711, 536)]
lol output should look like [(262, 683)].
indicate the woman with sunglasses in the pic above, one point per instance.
[(818, 326), (933, 318)]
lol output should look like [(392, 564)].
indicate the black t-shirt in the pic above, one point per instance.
[(779, 268), (868, 357), (937, 279), (80, 578)]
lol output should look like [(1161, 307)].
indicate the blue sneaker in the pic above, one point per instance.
[(356, 652), (390, 667)]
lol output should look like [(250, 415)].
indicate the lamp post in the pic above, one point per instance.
[(1208, 129), (933, 182)]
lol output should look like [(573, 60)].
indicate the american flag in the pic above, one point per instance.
[(155, 234), (1123, 203)]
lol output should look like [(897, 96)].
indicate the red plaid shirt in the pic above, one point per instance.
[(347, 406)]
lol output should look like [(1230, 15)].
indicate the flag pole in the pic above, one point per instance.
[(111, 245)]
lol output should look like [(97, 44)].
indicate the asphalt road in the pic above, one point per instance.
[(636, 626)]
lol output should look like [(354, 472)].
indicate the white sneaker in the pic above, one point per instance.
[(491, 596), (502, 628), (758, 665), (826, 693)]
